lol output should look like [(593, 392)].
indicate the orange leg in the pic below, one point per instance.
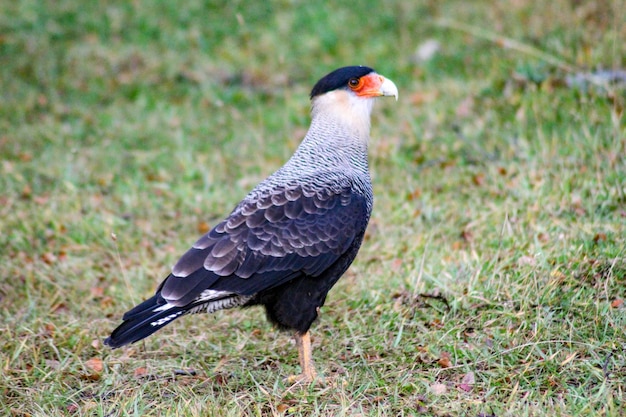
[(303, 342)]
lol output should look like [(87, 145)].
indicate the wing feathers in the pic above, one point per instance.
[(266, 241), (223, 247)]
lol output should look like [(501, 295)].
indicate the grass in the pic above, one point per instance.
[(493, 275)]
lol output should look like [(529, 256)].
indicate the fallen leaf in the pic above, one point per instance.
[(90, 377), (415, 194), (220, 379), (599, 237), (468, 381), (444, 361), (49, 258), (49, 329), (60, 308), (95, 364), (437, 324), (106, 302), (617, 303), (203, 227), (97, 292), (478, 179), (467, 235), (140, 372), (438, 389)]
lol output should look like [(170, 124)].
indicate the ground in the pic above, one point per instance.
[(493, 276)]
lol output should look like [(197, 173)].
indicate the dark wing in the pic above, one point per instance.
[(269, 239)]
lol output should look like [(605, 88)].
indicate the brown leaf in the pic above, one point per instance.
[(599, 237), (478, 179), (415, 194), (49, 329), (437, 324), (467, 235), (220, 379), (60, 308), (27, 192), (106, 302), (97, 292), (49, 258), (90, 377), (203, 227), (140, 372), (281, 408), (617, 303), (95, 364), (444, 361)]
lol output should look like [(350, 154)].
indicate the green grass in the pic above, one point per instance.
[(496, 248)]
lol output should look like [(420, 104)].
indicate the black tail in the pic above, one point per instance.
[(142, 321)]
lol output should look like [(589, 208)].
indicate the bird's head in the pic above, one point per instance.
[(363, 82), (346, 94)]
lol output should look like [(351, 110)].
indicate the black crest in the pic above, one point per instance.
[(338, 79)]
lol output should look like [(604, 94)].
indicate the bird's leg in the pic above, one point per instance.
[(303, 342), (305, 354)]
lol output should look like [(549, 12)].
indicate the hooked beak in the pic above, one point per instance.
[(375, 85), (388, 88)]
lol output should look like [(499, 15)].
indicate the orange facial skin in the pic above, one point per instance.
[(368, 85)]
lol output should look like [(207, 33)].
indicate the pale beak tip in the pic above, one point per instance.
[(388, 88)]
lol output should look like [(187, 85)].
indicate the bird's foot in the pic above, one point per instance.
[(306, 378), (308, 375)]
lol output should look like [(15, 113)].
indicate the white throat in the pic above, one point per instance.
[(346, 109)]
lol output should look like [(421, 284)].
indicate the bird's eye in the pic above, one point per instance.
[(355, 83)]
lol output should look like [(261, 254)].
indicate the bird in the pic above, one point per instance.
[(287, 243)]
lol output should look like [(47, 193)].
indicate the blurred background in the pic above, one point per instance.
[(493, 274)]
